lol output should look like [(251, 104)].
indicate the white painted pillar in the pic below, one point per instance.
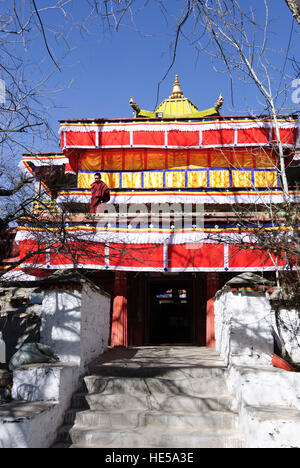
[(75, 323), (243, 324)]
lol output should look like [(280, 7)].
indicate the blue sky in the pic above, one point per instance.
[(106, 69)]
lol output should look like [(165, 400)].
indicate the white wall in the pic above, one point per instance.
[(268, 400), (95, 323), (290, 330), (75, 324), (43, 392), (61, 324), (243, 327)]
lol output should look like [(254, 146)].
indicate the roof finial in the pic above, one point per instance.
[(219, 102), (176, 93), (134, 105)]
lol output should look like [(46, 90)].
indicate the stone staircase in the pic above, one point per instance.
[(153, 397)]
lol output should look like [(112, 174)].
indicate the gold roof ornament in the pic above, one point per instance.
[(176, 106), (176, 93)]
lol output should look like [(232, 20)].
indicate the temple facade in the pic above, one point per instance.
[(188, 190)]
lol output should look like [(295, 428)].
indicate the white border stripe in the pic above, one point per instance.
[(240, 145), (142, 238), (161, 197), (184, 127), (145, 269)]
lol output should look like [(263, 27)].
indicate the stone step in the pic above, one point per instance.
[(110, 419), (154, 438), (159, 402), (210, 420), (162, 353), (150, 385), (156, 397), (212, 367)]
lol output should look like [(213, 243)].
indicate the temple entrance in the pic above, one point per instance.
[(170, 313), (165, 309)]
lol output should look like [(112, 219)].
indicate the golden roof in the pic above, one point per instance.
[(177, 105)]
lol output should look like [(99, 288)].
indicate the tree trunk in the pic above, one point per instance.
[(294, 6)]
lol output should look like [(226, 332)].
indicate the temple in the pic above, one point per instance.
[(171, 235)]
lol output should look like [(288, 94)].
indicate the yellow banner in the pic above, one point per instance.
[(219, 179), (182, 179), (242, 179), (153, 180), (265, 179)]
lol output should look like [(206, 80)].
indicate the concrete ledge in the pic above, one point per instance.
[(42, 394), (265, 386), (28, 425), (45, 382), (268, 402), (271, 427)]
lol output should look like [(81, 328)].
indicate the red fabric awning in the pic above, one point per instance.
[(149, 257), (237, 132)]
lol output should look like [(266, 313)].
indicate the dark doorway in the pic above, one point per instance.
[(170, 312)]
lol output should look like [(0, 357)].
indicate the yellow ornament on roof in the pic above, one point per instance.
[(176, 106), (177, 93)]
